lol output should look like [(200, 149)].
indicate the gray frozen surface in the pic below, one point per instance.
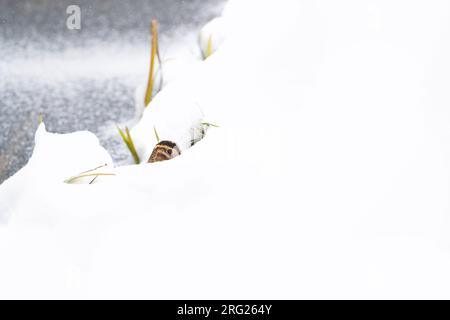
[(81, 79)]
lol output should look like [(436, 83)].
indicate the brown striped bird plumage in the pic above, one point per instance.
[(164, 150)]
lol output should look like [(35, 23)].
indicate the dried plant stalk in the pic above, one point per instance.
[(153, 55), (94, 174)]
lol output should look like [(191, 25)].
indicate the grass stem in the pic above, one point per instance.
[(156, 134), (96, 174), (210, 124), (153, 55), (126, 137), (209, 47)]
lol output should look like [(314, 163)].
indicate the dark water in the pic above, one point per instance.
[(63, 74)]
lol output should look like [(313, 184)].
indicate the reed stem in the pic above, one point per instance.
[(154, 50)]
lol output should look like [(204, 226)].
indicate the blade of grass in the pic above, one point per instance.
[(154, 50), (210, 124), (132, 147), (74, 178), (126, 137), (156, 134), (122, 135), (209, 47)]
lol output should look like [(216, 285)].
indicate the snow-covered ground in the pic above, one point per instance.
[(83, 79), (328, 176)]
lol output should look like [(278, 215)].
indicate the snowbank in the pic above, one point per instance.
[(327, 178)]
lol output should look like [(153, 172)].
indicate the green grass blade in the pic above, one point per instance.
[(132, 147), (156, 135), (209, 48), (126, 137)]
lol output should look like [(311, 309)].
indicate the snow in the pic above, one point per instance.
[(84, 79), (328, 176), (174, 114)]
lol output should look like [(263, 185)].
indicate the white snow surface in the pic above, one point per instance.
[(327, 178)]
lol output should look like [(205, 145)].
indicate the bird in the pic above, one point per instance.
[(164, 150)]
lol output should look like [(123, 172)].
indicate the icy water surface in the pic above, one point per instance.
[(82, 79)]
